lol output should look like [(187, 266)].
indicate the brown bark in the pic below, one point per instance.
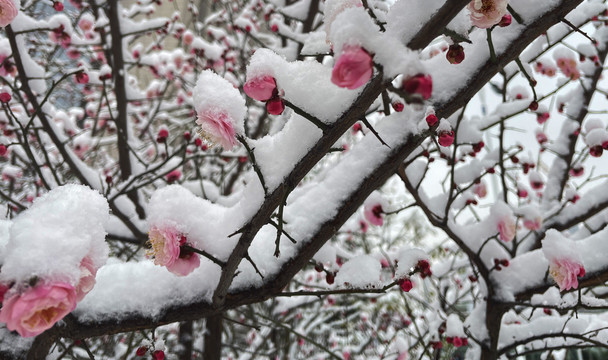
[(213, 338)]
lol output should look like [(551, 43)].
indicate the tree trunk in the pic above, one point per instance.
[(213, 338), (185, 340)]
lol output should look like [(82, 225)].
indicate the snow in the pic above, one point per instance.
[(212, 92), (407, 260), (360, 272), (144, 289), (58, 230), (306, 84)]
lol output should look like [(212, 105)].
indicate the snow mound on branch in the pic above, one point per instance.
[(407, 259), (213, 92), (50, 239), (360, 272), (306, 84), (557, 246), (145, 289)]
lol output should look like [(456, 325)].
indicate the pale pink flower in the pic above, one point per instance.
[(533, 224), (261, 88), (353, 69), (85, 23), (480, 189), (569, 67), (487, 13), (38, 308), (88, 271), (217, 128), (565, 272), (506, 228), (167, 251), (188, 37), (8, 12)]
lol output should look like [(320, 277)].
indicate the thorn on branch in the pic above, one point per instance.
[(318, 123), (515, 14), (236, 232), (531, 81), (578, 30), (254, 265), (369, 126), (256, 168), (205, 254), (279, 226), (456, 36)]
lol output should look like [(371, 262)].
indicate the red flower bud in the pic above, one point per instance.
[(5, 97), (275, 106), (431, 120), (405, 284), (455, 54), (505, 21)]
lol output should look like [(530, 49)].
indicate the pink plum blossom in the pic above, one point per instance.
[(217, 128), (373, 214), (419, 84), (38, 308), (8, 12), (188, 37), (173, 176), (565, 272), (533, 224), (353, 69), (487, 13), (480, 189), (569, 67), (167, 250), (506, 228), (86, 23), (261, 88)]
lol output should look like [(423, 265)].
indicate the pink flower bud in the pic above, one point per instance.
[(405, 284), (261, 88), (162, 136), (505, 21), (353, 69), (596, 151), (419, 84), (431, 120), (82, 77), (141, 351), (541, 118), (173, 176), (5, 97), (446, 138)]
